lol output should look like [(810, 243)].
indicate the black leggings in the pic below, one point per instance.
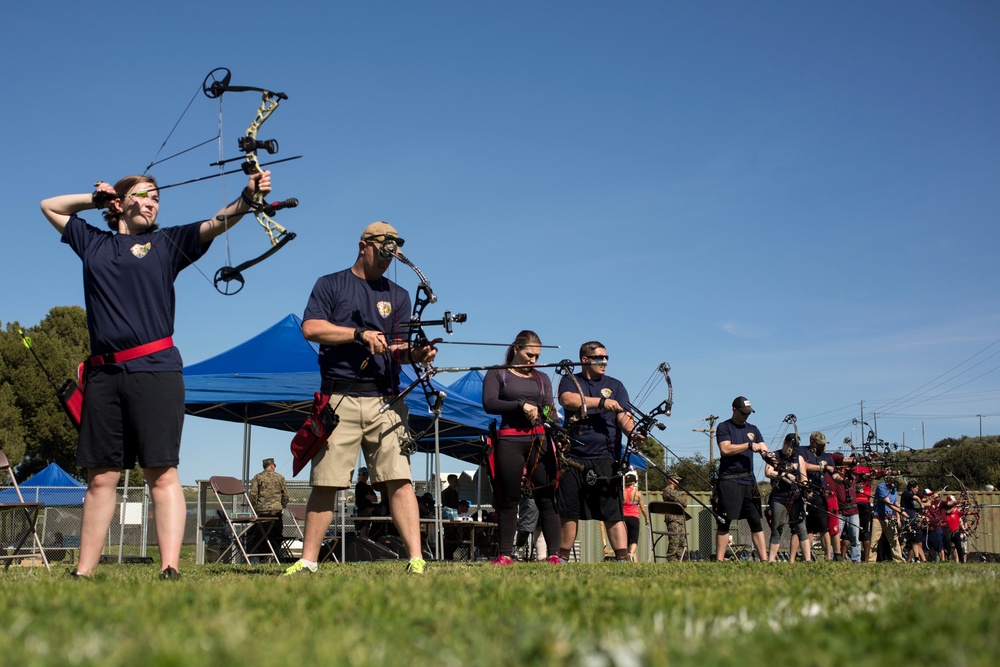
[(510, 457)]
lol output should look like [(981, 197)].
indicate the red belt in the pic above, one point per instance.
[(131, 353), (508, 432)]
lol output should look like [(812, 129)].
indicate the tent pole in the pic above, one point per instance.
[(645, 478), (246, 450), (439, 527), (121, 518)]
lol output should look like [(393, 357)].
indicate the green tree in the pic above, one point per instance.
[(654, 452), (975, 463), (34, 429), (693, 471)]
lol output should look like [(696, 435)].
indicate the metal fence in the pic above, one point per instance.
[(132, 532), (983, 544), (129, 537)]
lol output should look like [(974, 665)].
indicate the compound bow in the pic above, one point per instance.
[(215, 84), (416, 337), (644, 422), (968, 506)]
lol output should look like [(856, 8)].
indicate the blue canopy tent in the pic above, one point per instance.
[(269, 380), (52, 486), (469, 385)]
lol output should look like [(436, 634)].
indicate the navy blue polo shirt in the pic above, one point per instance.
[(598, 436), (346, 300), (742, 463), (128, 287), (781, 487)]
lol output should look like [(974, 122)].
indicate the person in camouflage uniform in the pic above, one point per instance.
[(675, 546), (269, 495)]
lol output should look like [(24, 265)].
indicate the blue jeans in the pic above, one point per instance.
[(850, 530)]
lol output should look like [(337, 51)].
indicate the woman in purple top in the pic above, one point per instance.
[(522, 454)]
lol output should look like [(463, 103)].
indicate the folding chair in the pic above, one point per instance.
[(328, 550), (668, 508), (29, 512), (242, 521)]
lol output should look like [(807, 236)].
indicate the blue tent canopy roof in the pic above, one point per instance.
[(52, 486), (269, 380)]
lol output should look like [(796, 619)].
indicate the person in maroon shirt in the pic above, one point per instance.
[(843, 485), (863, 493), (935, 523)]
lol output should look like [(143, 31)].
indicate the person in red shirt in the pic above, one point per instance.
[(956, 524), (631, 507), (863, 494)]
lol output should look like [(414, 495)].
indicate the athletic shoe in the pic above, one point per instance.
[(502, 560), (556, 559), (170, 574), (416, 566), (75, 574), (299, 567)]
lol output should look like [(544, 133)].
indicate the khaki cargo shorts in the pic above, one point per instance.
[(380, 437)]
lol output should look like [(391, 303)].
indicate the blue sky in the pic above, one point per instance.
[(792, 201)]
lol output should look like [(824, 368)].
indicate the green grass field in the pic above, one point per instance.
[(527, 614)]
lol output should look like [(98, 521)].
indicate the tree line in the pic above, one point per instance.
[(34, 429)]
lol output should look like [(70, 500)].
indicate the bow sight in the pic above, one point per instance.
[(446, 322)]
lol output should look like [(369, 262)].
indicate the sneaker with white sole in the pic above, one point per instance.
[(299, 567)]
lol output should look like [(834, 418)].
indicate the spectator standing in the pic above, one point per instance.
[(675, 523), (632, 507)]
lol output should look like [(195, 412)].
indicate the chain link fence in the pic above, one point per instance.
[(132, 535)]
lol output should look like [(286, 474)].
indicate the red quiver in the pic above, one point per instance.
[(71, 396), (314, 432)]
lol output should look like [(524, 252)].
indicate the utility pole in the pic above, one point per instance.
[(711, 437), (980, 429)]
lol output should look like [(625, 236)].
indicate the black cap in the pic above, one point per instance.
[(742, 403)]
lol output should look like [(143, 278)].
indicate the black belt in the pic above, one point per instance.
[(353, 386), (741, 475)]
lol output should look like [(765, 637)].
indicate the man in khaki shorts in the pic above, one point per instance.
[(357, 316)]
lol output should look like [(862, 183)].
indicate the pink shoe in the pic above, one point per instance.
[(556, 559), (502, 560)]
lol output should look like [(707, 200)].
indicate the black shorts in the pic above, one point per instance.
[(129, 417), (632, 528), (817, 517), (601, 501), (865, 522), (739, 501)]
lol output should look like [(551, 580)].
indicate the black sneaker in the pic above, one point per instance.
[(170, 574), (75, 574)]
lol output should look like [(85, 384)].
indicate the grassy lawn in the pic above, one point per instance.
[(526, 614)]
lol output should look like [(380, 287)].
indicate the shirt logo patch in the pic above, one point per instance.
[(606, 392), (140, 251), (384, 308)]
